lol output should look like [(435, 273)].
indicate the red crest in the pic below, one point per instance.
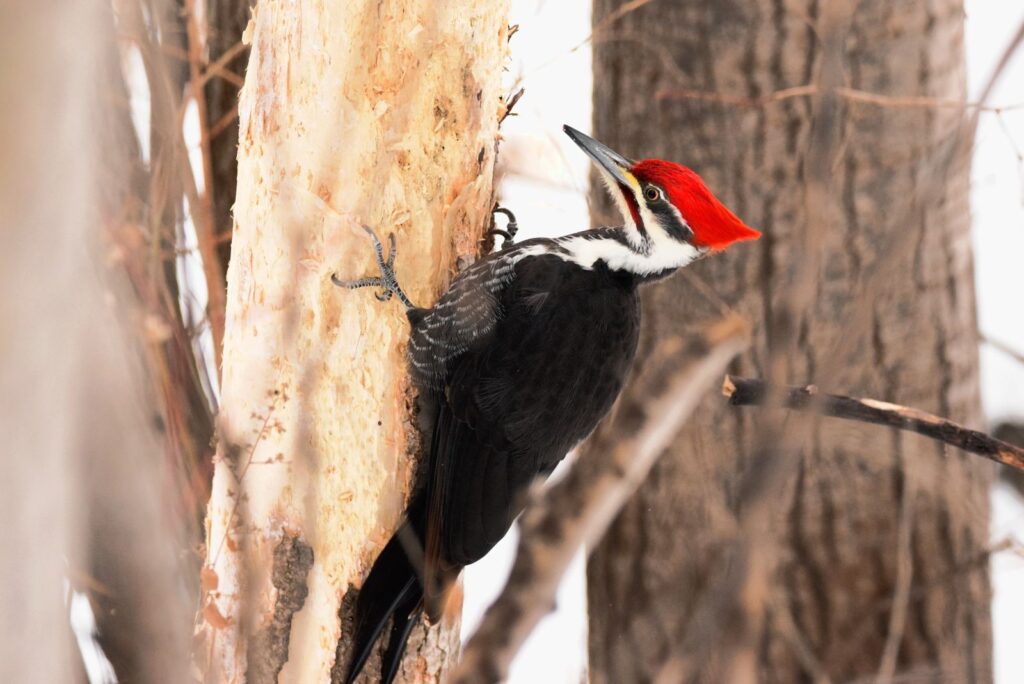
[(713, 225)]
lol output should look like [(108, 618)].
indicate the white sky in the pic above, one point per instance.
[(552, 201)]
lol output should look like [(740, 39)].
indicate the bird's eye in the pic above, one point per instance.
[(652, 194)]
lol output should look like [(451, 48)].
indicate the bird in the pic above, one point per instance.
[(518, 361)]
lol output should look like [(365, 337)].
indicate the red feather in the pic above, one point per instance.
[(713, 225)]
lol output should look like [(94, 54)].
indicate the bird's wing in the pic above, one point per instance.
[(484, 452), (465, 314)]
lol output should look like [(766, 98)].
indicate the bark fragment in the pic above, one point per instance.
[(269, 648)]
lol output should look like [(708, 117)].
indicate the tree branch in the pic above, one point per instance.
[(754, 392), (851, 94), (578, 510)]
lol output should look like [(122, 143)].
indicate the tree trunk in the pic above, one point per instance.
[(81, 495), (880, 563), (352, 113)]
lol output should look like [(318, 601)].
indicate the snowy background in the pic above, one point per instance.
[(546, 186)]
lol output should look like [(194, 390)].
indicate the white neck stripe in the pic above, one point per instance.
[(587, 250)]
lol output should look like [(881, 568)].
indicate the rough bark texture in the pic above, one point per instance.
[(352, 112), (899, 210)]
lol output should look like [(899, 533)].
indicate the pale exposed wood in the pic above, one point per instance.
[(352, 112)]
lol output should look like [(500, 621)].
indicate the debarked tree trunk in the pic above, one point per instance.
[(353, 112)]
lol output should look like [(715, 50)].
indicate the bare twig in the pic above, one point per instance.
[(866, 620), (754, 392), (510, 104), (1004, 348), (1018, 155), (736, 100), (218, 127), (611, 18), (1000, 67), (851, 94), (578, 510), (220, 68), (901, 590), (202, 212), (782, 617)]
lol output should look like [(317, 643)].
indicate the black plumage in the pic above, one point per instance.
[(521, 357)]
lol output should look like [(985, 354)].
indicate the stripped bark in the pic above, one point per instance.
[(892, 314), (351, 113)]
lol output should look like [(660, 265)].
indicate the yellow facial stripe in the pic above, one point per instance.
[(633, 182)]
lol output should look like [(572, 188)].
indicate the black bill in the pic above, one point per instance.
[(609, 160)]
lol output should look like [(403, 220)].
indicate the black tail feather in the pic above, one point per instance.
[(392, 589), (406, 615)]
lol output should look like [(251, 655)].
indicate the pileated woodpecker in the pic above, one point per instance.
[(521, 358)]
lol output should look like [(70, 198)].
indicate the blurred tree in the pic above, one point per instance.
[(879, 539), (351, 113), (81, 496)]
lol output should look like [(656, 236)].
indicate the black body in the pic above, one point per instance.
[(521, 357)]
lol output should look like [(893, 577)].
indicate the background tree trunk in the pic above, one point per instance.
[(881, 565), (83, 503), (352, 112), (225, 22)]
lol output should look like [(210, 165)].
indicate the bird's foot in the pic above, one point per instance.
[(387, 280), (508, 235)]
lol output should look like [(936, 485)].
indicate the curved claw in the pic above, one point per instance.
[(511, 228), (392, 250), (387, 280)]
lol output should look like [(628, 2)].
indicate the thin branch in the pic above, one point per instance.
[(903, 584), (783, 620), (866, 619), (1018, 155), (202, 211), (735, 100), (1004, 348), (509, 105), (611, 18), (851, 94), (218, 127), (997, 72), (220, 66), (754, 392), (578, 510)]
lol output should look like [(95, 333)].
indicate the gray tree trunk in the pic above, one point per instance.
[(893, 317)]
